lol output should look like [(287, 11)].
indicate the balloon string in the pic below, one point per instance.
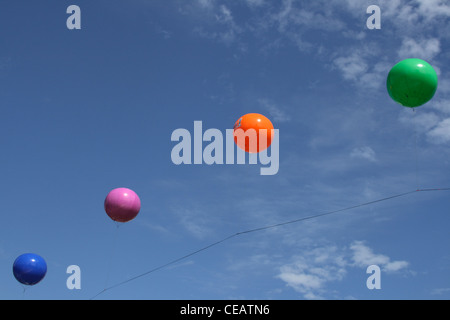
[(264, 228), (416, 150), (23, 292), (113, 250)]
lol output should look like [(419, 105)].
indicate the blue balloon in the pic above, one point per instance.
[(29, 268)]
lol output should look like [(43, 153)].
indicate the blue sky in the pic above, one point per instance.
[(85, 111)]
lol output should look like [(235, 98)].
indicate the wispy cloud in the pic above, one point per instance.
[(293, 20), (365, 152), (440, 291), (425, 49), (363, 256), (432, 9), (435, 127), (352, 67), (441, 132), (197, 222), (225, 29), (255, 3), (276, 112), (310, 273), (361, 61), (364, 66), (206, 3)]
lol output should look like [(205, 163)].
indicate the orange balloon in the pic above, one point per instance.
[(249, 140)]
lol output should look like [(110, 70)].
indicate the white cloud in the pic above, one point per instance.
[(255, 3), (364, 153), (223, 27), (395, 266), (294, 19), (352, 67), (425, 49), (276, 113), (444, 85), (431, 9), (206, 3), (364, 256), (442, 105), (436, 128), (291, 17), (228, 31), (441, 132), (420, 121), (224, 15), (196, 221), (296, 277), (356, 66), (310, 273)]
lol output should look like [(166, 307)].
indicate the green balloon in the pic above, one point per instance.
[(412, 82)]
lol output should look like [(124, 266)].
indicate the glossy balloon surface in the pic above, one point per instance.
[(256, 122), (412, 82), (122, 204), (29, 268)]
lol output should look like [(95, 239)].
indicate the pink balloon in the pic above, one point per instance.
[(122, 204)]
